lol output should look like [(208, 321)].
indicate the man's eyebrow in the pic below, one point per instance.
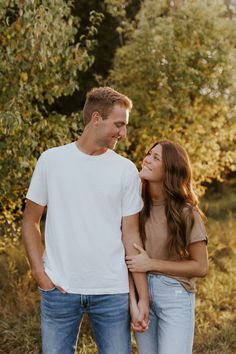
[(120, 122)]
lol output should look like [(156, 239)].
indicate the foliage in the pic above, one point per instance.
[(178, 66), (39, 62), (214, 205), (117, 15)]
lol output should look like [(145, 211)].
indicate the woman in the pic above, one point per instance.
[(175, 252)]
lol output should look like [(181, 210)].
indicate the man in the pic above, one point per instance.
[(93, 199)]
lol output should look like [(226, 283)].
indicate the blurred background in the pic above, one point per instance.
[(176, 60)]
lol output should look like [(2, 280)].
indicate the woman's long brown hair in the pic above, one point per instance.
[(179, 194)]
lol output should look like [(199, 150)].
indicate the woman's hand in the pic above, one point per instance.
[(140, 262)]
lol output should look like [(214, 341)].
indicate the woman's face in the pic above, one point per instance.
[(152, 167)]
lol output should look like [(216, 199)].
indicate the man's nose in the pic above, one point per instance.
[(122, 132)]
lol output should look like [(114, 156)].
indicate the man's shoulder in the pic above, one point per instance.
[(122, 160), (57, 151)]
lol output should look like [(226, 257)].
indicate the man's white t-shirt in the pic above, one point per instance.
[(86, 198)]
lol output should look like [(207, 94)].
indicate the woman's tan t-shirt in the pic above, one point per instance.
[(156, 243)]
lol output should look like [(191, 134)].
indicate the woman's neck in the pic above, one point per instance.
[(156, 191)]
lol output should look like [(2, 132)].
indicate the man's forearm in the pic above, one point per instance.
[(32, 239), (131, 236), (132, 291), (140, 281)]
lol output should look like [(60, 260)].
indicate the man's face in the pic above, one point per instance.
[(113, 128)]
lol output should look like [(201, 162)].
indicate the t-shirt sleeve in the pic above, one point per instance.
[(198, 231), (131, 197), (37, 191)]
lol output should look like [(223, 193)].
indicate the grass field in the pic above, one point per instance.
[(215, 306)]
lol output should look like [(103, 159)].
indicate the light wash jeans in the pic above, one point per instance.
[(61, 316), (171, 327)]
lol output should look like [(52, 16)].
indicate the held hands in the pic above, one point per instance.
[(139, 316), (140, 262)]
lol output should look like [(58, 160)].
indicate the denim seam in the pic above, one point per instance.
[(151, 295)]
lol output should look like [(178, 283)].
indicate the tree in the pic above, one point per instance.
[(39, 62), (116, 15), (178, 66)]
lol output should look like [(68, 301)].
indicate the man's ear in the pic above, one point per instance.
[(96, 118)]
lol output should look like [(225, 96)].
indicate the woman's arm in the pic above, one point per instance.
[(195, 266)]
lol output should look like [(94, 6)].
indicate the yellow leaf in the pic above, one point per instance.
[(24, 76)]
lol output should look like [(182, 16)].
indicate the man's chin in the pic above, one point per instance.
[(113, 145)]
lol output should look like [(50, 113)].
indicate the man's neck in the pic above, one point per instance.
[(88, 146)]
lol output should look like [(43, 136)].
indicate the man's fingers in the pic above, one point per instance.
[(61, 289)]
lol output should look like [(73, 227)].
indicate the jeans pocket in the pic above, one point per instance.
[(46, 290), (170, 281)]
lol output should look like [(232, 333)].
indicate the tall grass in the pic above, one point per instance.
[(215, 306)]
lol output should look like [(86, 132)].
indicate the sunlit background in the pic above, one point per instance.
[(177, 61)]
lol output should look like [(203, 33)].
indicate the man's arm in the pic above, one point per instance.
[(33, 243), (137, 324), (130, 235)]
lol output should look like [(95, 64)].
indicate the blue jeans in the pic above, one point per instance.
[(171, 327), (61, 316)]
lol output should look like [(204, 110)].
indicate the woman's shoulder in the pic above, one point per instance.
[(190, 210), (195, 223), (193, 216)]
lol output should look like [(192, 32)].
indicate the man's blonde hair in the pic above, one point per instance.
[(102, 100)]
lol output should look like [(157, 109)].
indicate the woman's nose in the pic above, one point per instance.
[(147, 159)]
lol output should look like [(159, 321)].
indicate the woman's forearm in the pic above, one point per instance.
[(183, 268), (195, 266)]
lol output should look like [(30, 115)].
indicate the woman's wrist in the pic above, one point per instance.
[(155, 265), (152, 265)]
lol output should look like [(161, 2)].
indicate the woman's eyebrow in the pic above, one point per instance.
[(155, 153)]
